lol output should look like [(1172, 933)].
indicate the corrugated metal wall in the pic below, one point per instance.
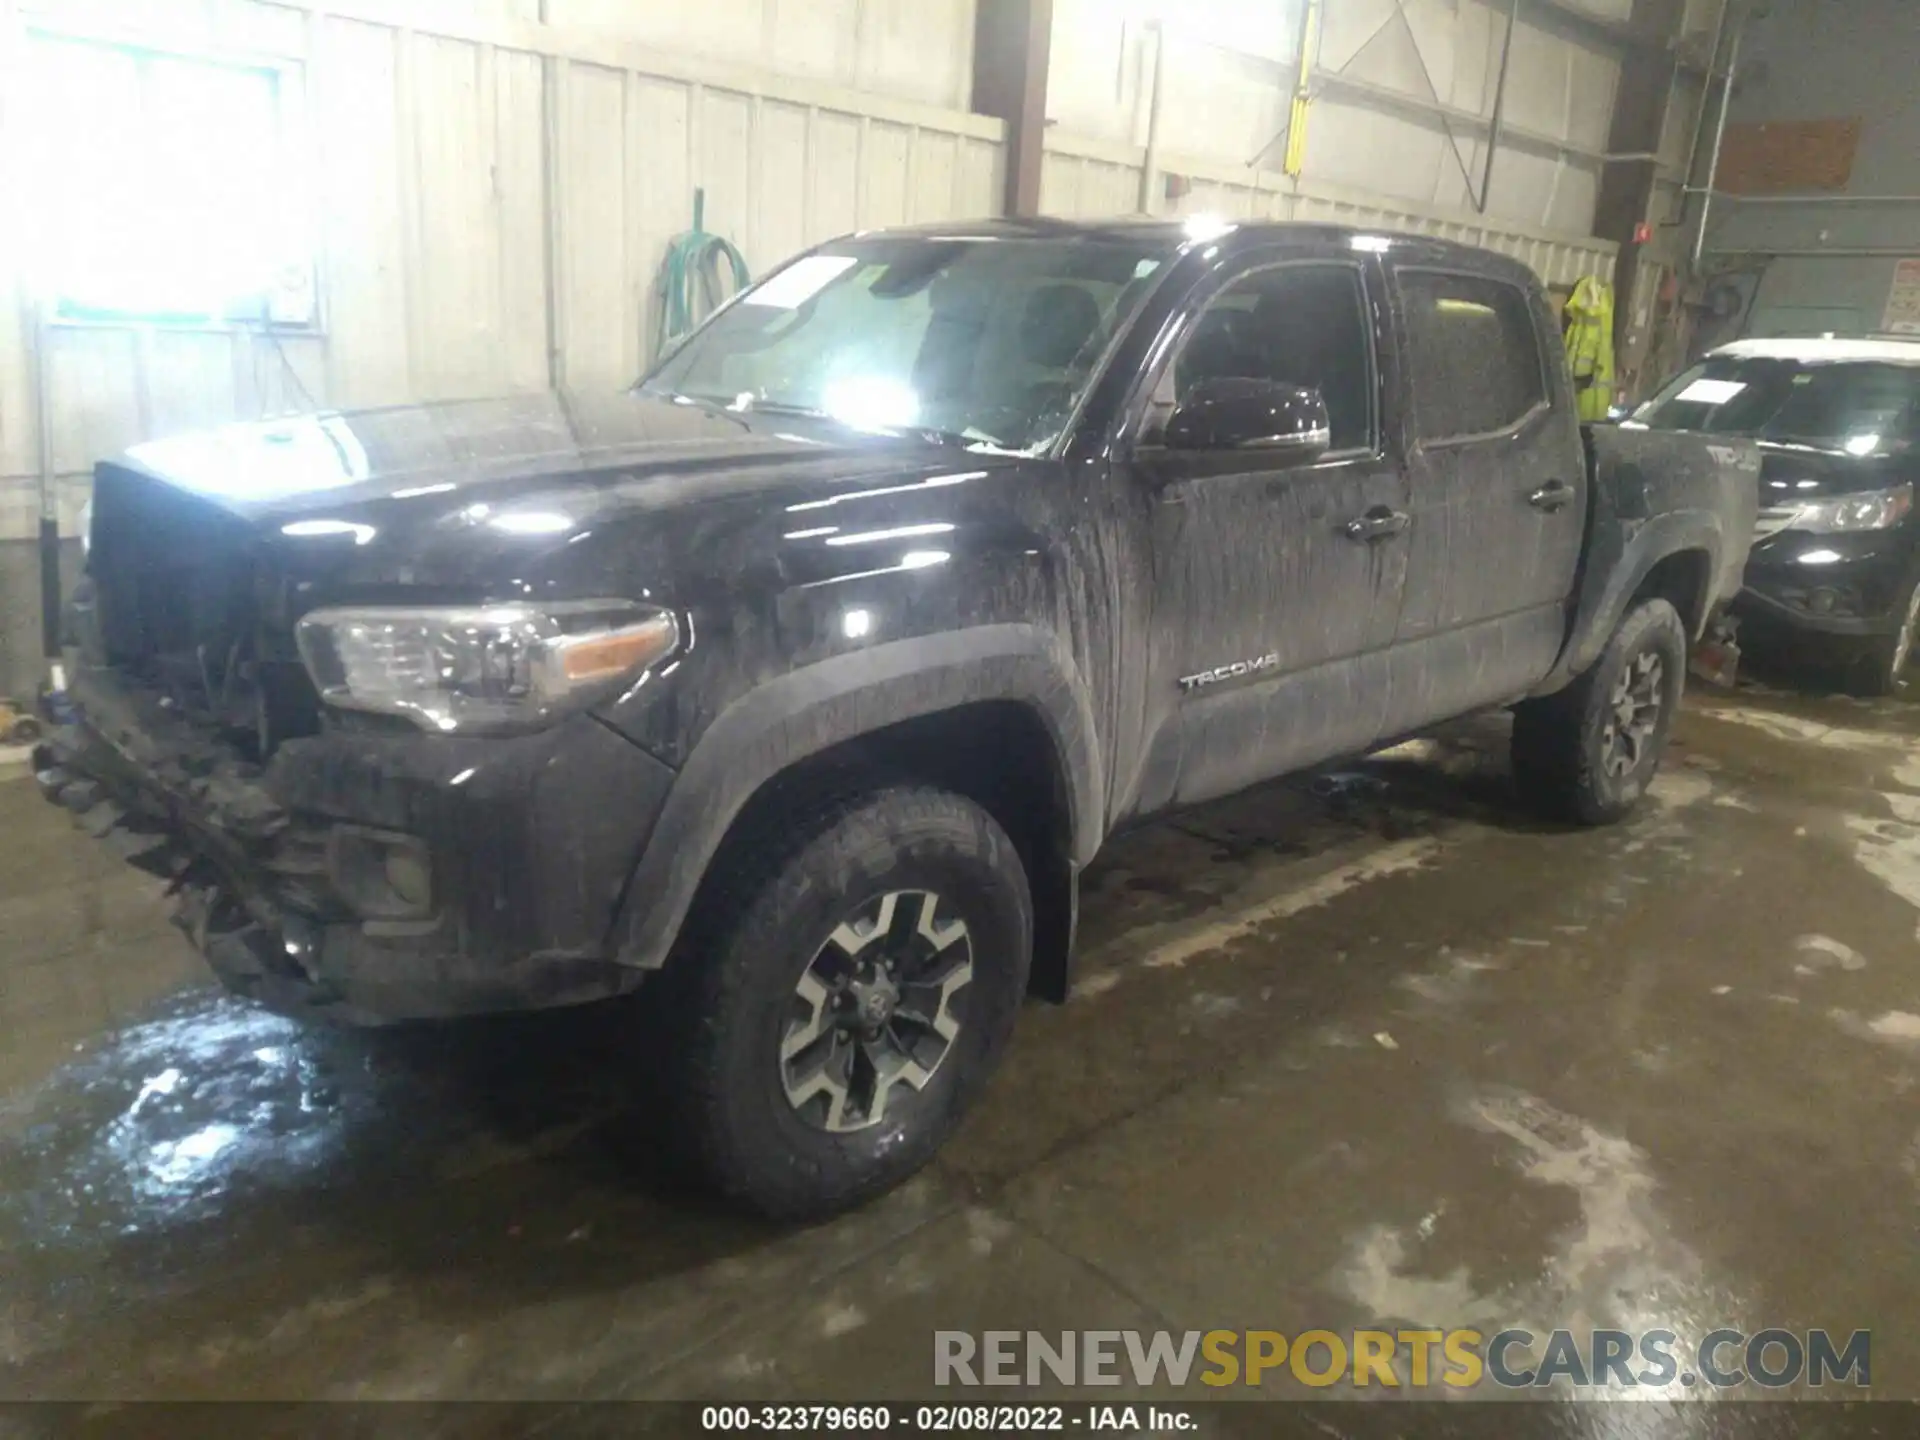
[(1089, 177), (1404, 93), (425, 155)]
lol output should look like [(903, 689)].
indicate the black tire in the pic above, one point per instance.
[(772, 916), (1883, 666), (1566, 757)]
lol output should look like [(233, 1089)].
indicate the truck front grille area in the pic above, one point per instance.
[(183, 606)]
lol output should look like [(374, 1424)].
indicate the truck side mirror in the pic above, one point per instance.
[(1237, 413)]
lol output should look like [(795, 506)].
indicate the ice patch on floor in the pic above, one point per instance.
[(741, 1366), (1678, 789), (1616, 1265), (838, 1320), (1795, 727), (1889, 851), (1213, 1007), (1448, 983), (1896, 1027), (1824, 950), (1091, 985), (1377, 1278), (985, 1229)]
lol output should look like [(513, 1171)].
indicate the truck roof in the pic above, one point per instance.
[(1177, 232), (1824, 349)]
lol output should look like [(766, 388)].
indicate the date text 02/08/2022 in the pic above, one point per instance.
[(947, 1419)]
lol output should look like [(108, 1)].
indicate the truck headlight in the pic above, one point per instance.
[(477, 668), (1868, 510)]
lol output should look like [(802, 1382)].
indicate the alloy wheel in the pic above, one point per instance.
[(878, 1008), (1633, 715)]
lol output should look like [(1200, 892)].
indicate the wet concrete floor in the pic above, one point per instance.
[(1377, 1049)]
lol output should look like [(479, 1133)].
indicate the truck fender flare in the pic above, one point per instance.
[(1612, 583), (805, 712)]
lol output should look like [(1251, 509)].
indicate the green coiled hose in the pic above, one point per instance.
[(701, 272)]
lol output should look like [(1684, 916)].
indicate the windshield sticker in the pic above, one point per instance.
[(799, 282), (1710, 392)]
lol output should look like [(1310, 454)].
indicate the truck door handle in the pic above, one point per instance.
[(1554, 495), (1377, 523)]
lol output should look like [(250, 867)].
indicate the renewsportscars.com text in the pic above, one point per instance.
[(1459, 1359)]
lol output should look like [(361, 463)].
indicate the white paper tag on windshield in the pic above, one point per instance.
[(800, 281), (1710, 392)]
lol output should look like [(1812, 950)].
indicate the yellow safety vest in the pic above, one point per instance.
[(1589, 340)]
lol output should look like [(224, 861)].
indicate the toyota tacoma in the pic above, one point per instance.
[(800, 683)]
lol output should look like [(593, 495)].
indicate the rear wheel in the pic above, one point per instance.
[(1589, 752), (843, 995)]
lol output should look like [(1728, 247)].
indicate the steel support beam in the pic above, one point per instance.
[(1630, 39), (1012, 43), (1640, 109)]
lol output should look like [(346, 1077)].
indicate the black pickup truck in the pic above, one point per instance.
[(801, 682)]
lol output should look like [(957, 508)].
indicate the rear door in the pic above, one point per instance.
[(1271, 609), (1498, 481)]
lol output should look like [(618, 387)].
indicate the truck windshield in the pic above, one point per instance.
[(1861, 407), (993, 341)]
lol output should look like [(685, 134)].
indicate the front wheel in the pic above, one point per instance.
[(1882, 667), (853, 976), (1589, 752)]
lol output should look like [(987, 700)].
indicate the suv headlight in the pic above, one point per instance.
[(1868, 510), (489, 667)]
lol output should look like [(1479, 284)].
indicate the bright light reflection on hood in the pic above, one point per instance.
[(267, 461)]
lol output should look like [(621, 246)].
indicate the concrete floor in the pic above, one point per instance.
[(1376, 1050)]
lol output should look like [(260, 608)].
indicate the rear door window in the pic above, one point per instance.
[(1474, 352)]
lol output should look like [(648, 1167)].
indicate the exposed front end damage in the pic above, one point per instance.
[(325, 863), (369, 878)]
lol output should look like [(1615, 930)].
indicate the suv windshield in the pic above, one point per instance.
[(1863, 407), (991, 340)]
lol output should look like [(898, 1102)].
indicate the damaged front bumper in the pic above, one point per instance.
[(368, 877)]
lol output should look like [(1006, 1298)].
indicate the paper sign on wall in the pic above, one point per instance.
[(1903, 303)]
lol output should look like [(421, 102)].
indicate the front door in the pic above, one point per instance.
[(1498, 475), (1276, 583)]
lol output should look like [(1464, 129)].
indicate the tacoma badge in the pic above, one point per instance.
[(1234, 671)]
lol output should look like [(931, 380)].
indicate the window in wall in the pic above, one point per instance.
[(1475, 352), (1302, 325), (163, 188)]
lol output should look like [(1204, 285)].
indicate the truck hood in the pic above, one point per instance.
[(545, 493), (492, 451)]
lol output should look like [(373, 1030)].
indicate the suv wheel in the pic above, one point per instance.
[(852, 980), (1589, 752)]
